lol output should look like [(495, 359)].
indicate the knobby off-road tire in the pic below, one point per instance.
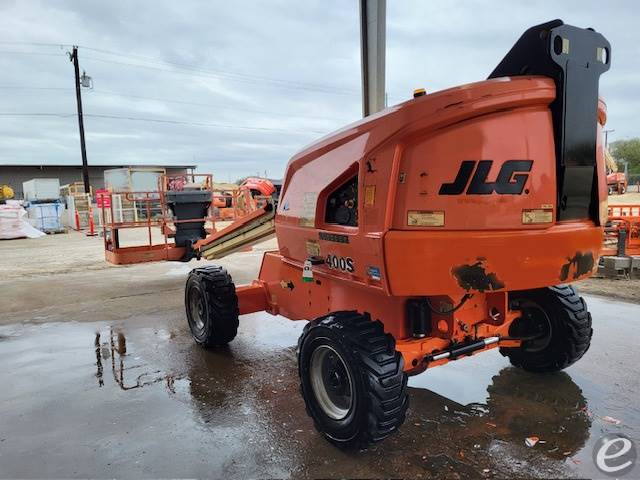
[(352, 379), (564, 329), (212, 306)]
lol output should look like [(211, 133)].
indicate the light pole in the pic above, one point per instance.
[(606, 137), (87, 82), (373, 14)]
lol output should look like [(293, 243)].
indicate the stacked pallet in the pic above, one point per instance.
[(77, 201)]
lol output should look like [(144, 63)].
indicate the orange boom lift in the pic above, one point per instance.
[(436, 229)]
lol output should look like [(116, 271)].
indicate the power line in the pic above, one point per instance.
[(192, 67), (35, 44), (24, 87), (157, 64), (36, 114), (157, 120), (201, 124), (178, 102), (206, 74), (210, 105), (19, 52)]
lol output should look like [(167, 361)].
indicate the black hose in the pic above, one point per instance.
[(466, 297)]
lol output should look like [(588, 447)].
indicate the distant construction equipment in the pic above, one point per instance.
[(184, 209), (621, 248), (616, 181)]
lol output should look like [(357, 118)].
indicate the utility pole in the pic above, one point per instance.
[(83, 149), (372, 49), (606, 137)]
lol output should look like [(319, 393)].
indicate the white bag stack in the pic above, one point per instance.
[(13, 224)]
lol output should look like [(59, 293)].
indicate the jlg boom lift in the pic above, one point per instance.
[(439, 228)]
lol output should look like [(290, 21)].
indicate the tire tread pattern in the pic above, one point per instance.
[(577, 335), (383, 367), (222, 302)]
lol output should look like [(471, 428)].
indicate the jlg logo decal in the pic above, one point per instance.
[(510, 180)]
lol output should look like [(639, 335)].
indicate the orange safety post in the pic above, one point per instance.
[(92, 229)]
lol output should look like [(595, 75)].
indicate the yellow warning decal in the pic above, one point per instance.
[(537, 216), (421, 218), (369, 195), (313, 248)]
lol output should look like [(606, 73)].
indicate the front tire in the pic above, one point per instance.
[(556, 322), (212, 306), (352, 379)]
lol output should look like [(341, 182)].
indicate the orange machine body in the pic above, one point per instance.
[(417, 230)]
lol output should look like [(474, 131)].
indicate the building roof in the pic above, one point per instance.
[(96, 165)]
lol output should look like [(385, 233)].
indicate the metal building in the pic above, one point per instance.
[(14, 174)]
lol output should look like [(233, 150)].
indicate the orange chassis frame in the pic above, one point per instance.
[(277, 291)]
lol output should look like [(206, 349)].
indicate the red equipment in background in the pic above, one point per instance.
[(617, 183), (156, 216), (156, 211), (622, 232), (252, 194)]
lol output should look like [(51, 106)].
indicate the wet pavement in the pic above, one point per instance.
[(136, 398)]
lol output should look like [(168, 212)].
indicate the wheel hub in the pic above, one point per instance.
[(535, 327), (196, 306), (331, 382)]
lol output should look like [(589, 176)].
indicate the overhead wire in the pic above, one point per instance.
[(247, 77), (92, 92), (221, 75), (35, 44), (20, 52), (210, 105), (157, 63), (157, 120)]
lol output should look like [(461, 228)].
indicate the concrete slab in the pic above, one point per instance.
[(101, 378)]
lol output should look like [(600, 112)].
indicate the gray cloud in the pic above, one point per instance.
[(256, 81)]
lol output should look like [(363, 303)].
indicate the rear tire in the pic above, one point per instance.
[(212, 306), (559, 319), (352, 379)]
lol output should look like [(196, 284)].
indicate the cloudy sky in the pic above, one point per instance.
[(238, 87)]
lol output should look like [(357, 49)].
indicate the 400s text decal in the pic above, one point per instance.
[(340, 263)]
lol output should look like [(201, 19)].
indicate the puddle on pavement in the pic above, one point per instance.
[(467, 417)]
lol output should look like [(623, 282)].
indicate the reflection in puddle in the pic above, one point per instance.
[(129, 376), (230, 385), (519, 405), (99, 368)]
